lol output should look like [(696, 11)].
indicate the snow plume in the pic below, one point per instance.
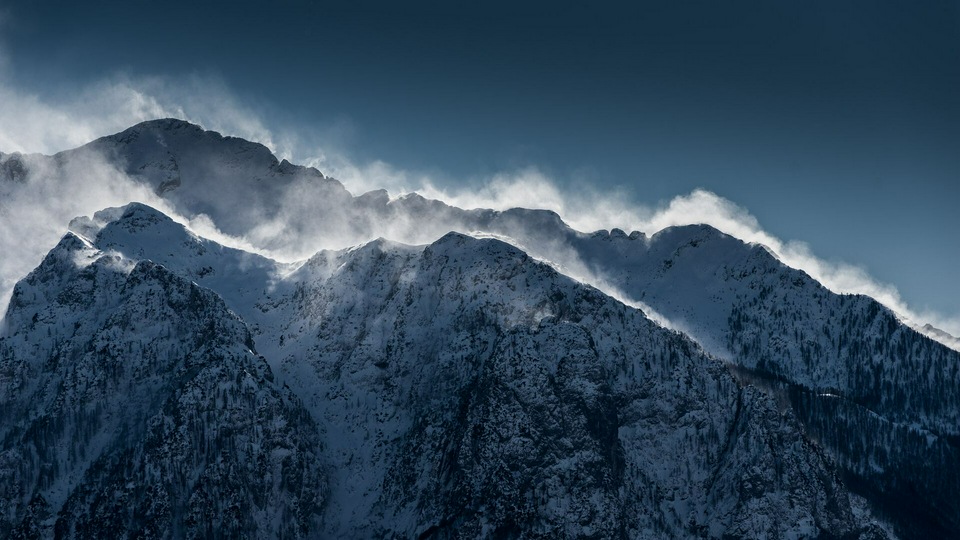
[(35, 211), (33, 123), (34, 214), (584, 210), (589, 210), (45, 124), (705, 207)]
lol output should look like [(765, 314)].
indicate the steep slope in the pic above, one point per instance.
[(192, 168), (132, 403), (141, 232), (519, 402), (465, 390), (246, 191), (884, 399), (881, 399)]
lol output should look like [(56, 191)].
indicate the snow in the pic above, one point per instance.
[(380, 341), (462, 375)]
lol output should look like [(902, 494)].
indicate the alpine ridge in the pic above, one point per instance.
[(448, 385)]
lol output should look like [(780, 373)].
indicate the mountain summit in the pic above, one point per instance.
[(157, 383)]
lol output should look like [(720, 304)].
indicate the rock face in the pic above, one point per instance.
[(504, 399), (246, 191), (132, 403), (460, 389), (881, 398), (153, 378)]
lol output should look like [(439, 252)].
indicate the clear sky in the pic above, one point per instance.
[(833, 122)]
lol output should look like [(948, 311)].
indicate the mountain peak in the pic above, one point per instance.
[(132, 212), (695, 232), (617, 234), (472, 250), (132, 217), (159, 128), (141, 231), (168, 124)]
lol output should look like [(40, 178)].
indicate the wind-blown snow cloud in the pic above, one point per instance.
[(33, 123), (35, 214), (587, 210)]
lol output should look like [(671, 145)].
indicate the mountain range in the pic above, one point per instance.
[(453, 373)]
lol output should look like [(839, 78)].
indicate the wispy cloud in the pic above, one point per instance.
[(35, 214), (588, 210), (34, 123)]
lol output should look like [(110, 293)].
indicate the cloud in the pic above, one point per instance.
[(34, 214), (32, 124), (588, 210), (36, 123), (37, 210), (40, 208)]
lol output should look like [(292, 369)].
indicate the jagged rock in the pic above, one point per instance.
[(133, 403), (862, 402), (460, 389)]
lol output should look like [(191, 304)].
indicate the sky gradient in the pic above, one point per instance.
[(834, 123)]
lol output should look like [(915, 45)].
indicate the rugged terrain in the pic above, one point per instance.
[(455, 385)]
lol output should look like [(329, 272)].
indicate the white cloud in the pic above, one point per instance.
[(34, 216), (589, 210), (41, 209), (34, 123)]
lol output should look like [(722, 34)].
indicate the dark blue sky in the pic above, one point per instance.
[(833, 122)]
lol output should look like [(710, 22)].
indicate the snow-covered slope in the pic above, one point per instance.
[(234, 181), (879, 399), (882, 398), (521, 402), (246, 191), (460, 389), (132, 402)]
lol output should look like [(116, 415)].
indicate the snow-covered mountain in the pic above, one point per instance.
[(247, 192), (455, 389), (133, 402), (450, 386), (883, 399)]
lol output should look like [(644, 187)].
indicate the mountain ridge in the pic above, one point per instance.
[(877, 399), (273, 196), (528, 339)]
